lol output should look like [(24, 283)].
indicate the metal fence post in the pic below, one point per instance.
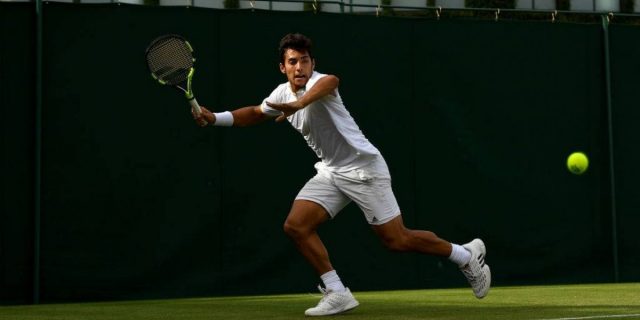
[(612, 181), (38, 156)]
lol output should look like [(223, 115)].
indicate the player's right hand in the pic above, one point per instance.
[(204, 118)]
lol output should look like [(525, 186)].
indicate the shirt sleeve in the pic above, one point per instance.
[(317, 76), (314, 78), (275, 97)]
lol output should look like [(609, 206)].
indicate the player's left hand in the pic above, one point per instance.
[(286, 108)]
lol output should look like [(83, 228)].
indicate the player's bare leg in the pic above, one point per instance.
[(397, 237), (469, 257), (301, 225), (304, 219)]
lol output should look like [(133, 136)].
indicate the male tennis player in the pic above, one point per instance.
[(350, 169)]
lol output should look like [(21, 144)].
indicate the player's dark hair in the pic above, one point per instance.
[(295, 41)]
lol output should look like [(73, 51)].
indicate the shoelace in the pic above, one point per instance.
[(326, 298), (323, 290), (325, 294)]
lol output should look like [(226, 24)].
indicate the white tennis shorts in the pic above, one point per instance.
[(369, 187)]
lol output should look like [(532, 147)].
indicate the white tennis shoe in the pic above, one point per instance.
[(477, 272), (333, 303)]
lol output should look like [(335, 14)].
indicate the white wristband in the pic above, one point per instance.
[(224, 119)]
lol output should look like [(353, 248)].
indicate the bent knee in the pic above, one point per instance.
[(295, 230), (289, 228)]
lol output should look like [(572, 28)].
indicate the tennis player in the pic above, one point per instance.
[(350, 169)]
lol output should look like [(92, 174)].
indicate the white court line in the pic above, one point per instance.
[(599, 317)]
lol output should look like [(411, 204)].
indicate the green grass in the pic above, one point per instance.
[(602, 301)]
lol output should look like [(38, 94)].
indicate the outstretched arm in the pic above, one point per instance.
[(242, 117), (326, 85)]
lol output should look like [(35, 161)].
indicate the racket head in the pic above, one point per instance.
[(170, 60)]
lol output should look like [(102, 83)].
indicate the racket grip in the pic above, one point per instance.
[(195, 106)]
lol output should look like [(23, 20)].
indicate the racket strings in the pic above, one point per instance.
[(170, 59)]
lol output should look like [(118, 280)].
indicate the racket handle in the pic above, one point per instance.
[(195, 106)]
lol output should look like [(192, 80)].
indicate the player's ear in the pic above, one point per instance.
[(282, 69)]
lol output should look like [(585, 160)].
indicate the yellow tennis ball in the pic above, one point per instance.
[(577, 163)]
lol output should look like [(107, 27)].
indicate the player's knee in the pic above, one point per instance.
[(293, 230), (289, 229)]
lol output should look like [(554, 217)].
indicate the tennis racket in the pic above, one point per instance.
[(170, 60)]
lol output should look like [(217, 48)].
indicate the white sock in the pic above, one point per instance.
[(459, 255), (332, 281)]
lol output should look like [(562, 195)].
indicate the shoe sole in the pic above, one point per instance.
[(488, 286), (483, 250), (350, 307), (347, 308)]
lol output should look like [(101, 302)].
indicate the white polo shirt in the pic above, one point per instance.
[(327, 127)]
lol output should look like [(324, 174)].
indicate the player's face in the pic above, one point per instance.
[(298, 67)]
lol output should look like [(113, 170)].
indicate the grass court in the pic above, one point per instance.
[(566, 302)]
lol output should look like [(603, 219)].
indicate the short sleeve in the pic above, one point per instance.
[(314, 78), (275, 97)]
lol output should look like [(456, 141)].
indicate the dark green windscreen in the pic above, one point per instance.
[(474, 118)]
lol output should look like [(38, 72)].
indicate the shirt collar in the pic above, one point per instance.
[(302, 90)]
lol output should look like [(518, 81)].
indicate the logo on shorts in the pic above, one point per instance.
[(374, 220)]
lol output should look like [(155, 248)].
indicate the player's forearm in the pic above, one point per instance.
[(240, 117), (248, 116), (326, 85)]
